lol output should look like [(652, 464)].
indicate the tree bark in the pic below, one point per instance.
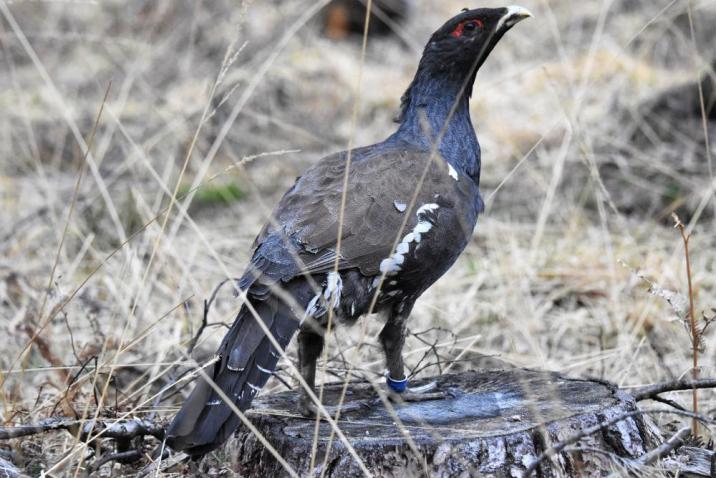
[(493, 423)]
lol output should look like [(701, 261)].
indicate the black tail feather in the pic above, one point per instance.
[(247, 359)]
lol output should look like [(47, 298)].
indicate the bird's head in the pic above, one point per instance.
[(457, 50), (463, 43)]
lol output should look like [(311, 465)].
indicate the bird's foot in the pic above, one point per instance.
[(403, 393), (423, 393), (307, 408)]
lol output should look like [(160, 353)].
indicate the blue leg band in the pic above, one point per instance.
[(398, 386)]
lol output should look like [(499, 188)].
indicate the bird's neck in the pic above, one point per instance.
[(438, 110)]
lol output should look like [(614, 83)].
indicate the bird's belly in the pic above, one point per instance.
[(433, 257), (422, 259)]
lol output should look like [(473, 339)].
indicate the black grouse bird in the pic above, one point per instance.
[(411, 204)]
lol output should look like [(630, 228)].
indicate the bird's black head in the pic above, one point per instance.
[(458, 48), (463, 43)]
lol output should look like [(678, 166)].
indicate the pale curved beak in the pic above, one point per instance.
[(513, 15)]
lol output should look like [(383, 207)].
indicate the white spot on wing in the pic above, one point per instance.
[(452, 172), (428, 207), (422, 227), (391, 265)]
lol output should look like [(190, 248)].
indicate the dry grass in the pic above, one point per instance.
[(543, 283)]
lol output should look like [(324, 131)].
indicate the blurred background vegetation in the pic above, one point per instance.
[(596, 118)]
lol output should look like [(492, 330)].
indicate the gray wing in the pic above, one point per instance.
[(302, 237)]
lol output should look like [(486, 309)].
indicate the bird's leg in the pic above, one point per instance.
[(310, 346), (393, 338)]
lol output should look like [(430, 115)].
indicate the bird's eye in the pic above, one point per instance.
[(468, 26), (471, 26)]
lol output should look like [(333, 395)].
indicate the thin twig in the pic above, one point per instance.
[(73, 381), (205, 318), (202, 327), (192, 343), (651, 391), (668, 402)]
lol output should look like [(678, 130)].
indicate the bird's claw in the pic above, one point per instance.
[(307, 408), (423, 393), (428, 387)]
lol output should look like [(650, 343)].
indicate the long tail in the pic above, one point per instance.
[(247, 359)]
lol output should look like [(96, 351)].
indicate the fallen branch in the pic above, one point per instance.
[(121, 430), (651, 391), (123, 457), (7, 433), (676, 440)]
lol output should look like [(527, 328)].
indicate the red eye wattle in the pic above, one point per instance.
[(467, 25)]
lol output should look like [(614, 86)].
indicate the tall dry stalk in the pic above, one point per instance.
[(695, 339)]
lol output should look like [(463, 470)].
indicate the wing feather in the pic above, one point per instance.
[(307, 217)]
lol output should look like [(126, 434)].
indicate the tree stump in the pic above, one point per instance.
[(494, 423)]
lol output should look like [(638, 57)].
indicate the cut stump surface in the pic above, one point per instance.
[(493, 423)]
